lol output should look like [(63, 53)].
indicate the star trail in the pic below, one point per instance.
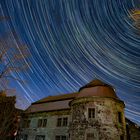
[(71, 42)]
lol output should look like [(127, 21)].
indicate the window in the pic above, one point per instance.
[(26, 123), (40, 137), (24, 137), (63, 137), (60, 138), (91, 112), (62, 121), (39, 122), (42, 123), (90, 136), (65, 121), (122, 137), (59, 121), (57, 137), (120, 117)]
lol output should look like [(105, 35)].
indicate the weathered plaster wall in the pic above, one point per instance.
[(104, 126), (51, 130)]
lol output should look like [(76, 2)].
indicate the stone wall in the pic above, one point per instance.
[(105, 125)]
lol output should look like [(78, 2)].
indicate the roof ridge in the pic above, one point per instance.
[(56, 98)]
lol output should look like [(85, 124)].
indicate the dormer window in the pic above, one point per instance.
[(91, 113)]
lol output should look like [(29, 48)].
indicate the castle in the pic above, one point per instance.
[(92, 113)]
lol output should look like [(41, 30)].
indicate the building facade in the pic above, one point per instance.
[(92, 113)]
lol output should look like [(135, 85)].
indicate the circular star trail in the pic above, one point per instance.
[(72, 42)]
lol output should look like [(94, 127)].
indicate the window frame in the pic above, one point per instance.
[(60, 137), (39, 124), (26, 123), (121, 137), (65, 121), (25, 137), (39, 136), (90, 134), (42, 123), (62, 122), (59, 122), (91, 112), (120, 117)]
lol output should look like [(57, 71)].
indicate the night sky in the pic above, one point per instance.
[(72, 42)]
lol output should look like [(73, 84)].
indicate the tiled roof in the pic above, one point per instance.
[(61, 102), (94, 83), (49, 106), (52, 103), (57, 98)]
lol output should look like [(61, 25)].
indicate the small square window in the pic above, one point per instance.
[(91, 112)]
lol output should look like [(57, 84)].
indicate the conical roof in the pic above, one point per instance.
[(97, 88), (95, 83)]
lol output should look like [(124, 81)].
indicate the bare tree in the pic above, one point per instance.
[(13, 60), (13, 56)]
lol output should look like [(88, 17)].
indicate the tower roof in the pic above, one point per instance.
[(97, 88), (95, 83)]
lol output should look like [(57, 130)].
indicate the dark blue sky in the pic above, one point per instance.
[(73, 41)]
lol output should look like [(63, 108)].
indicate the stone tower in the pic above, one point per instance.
[(97, 114)]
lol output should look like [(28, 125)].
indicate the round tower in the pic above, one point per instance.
[(97, 114)]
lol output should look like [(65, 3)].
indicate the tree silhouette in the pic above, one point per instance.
[(13, 56), (13, 60)]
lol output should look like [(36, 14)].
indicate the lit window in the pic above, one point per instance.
[(91, 112), (40, 137), (120, 117)]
